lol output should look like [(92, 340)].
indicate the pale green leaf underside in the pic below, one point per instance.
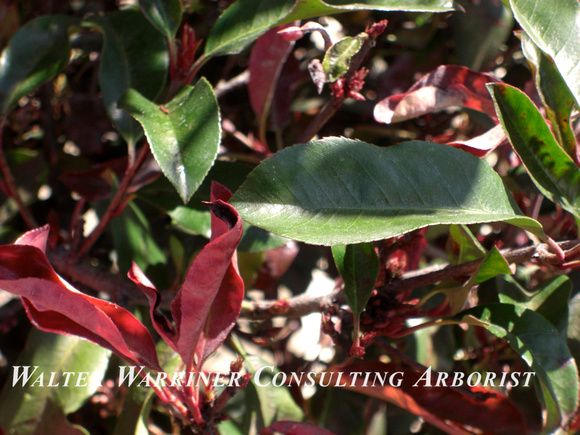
[(555, 27), (341, 191)]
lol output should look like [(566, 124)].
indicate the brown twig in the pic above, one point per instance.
[(115, 202), (10, 184)]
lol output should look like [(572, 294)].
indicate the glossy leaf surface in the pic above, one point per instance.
[(184, 134), (553, 171), (23, 69), (341, 191)]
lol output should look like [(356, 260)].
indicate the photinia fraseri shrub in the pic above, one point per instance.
[(397, 245)]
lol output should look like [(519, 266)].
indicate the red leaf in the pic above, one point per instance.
[(36, 237), (54, 306), (447, 86), (294, 428), (474, 407), (209, 302), (266, 61), (161, 323)]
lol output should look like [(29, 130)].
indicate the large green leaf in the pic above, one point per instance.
[(340, 191), (553, 171), (541, 346), (36, 53), (134, 56), (184, 135), (165, 15), (24, 408), (555, 27), (245, 20)]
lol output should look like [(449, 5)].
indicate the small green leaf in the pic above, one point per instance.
[(22, 407), (462, 245), (35, 54), (134, 56), (359, 268), (555, 27), (338, 191), (557, 98), (192, 220), (165, 15), (184, 135), (246, 20), (337, 59), (552, 170), (543, 349)]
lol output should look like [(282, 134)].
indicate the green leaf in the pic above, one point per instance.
[(359, 268), (557, 98), (549, 298), (246, 20), (337, 59), (338, 191), (555, 27), (134, 56), (184, 135), (192, 220), (165, 15), (23, 407), (258, 240), (35, 54), (134, 241), (543, 349), (552, 170)]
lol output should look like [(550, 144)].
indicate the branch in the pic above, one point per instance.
[(302, 305)]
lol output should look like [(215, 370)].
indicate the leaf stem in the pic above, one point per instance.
[(116, 202)]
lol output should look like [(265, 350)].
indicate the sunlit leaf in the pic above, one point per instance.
[(555, 27), (184, 134), (338, 57), (340, 191)]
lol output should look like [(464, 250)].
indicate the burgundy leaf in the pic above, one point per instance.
[(482, 145), (161, 323), (294, 428), (54, 306), (474, 407), (290, 78), (209, 302), (266, 61), (447, 86), (36, 237)]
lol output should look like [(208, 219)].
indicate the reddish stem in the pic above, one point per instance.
[(117, 200)]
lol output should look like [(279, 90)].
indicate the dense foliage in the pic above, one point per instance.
[(250, 191)]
